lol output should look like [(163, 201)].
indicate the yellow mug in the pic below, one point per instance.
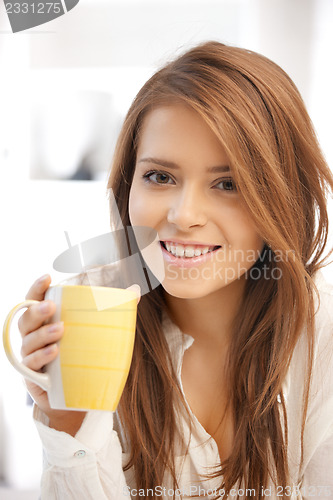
[(95, 351)]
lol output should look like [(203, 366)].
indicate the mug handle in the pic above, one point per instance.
[(41, 379)]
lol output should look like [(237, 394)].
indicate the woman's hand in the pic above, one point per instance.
[(39, 348)]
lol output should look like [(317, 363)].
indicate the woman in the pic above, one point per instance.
[(227, 391)]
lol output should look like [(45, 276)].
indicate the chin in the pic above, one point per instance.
[(185, 291)]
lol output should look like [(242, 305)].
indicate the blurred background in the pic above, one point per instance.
[(64, 89)]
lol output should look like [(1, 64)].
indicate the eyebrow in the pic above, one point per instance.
[(174, 166)]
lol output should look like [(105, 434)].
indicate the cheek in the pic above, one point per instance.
[(141, 208), (253, 239), (244, 230), (134, 207)]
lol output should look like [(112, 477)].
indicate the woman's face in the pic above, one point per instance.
[(183, 188)]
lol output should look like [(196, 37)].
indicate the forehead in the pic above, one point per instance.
[(177, 130)]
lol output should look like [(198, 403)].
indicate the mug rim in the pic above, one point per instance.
[(93, 286)]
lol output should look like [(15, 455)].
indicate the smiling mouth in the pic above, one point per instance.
[(188, 251)]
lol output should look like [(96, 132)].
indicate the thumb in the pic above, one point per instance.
[(135, 288)]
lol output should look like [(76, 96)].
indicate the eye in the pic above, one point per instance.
[(160, 177), (227, 185)]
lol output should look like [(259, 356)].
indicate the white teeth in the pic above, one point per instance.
[(180, 251), (187, 251)]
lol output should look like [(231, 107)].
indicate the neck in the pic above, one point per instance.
[(208, 319)]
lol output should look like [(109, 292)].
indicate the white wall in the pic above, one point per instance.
[(35, 215), (114, 46)]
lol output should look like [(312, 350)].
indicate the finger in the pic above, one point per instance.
[(35, 316), (48, 334), (37, 359), (135, 288), (36, 392), (38, 289)]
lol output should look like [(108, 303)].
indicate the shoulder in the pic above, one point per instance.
[(320, 409), (323, 323), (319, 418), (324, 301), (321, 387), (323, 320)]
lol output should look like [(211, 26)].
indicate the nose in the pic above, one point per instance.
[(188, 209)]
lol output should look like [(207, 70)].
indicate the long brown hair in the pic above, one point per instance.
[(256, 112)]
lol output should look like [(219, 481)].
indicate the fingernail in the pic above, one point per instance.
[(42, 278), (135, 288), (49, 349), (44, 307), (55, 327)]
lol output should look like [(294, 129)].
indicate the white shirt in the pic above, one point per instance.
[(89, 465)]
